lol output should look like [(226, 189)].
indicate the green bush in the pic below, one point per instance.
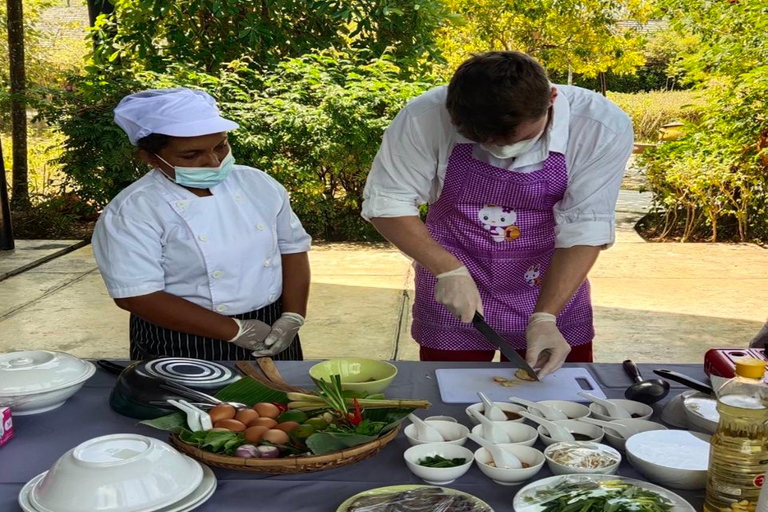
[(314, 123), (652, 110)]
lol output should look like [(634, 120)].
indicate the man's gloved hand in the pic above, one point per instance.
[(283, 333), (251, 334), (457, 291), (547, 349)]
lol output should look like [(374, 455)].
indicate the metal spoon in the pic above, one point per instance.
[(646, 391), (501, 458), (491, 432), (556, 432)]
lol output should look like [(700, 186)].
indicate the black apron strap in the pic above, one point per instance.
[(149, 341)]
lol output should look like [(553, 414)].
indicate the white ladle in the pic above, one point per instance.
[(556, 432), (622, 430), (491, 432), (613, 410), (425, 432), (491, 411), (501, 458), (549, 413)]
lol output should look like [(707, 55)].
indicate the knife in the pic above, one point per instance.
[(503, 345)]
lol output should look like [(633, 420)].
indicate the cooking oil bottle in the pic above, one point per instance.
[(738, 459)]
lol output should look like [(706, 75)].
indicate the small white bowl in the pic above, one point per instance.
[(595, 433), (672, 458), (442, 418), (504, 406), (438, 476), (642, 411), (573, 410), (640, 425), (562, 469), (454, 433), (502, 476), (519, 433), (117, 473)]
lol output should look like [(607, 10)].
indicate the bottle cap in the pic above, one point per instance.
[(750, 368)]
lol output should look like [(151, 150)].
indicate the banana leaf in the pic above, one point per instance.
[(321, 443), (246, 390)]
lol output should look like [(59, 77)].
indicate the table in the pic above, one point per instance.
[(41, 439)]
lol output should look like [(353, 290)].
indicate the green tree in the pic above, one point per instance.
[(573, 36)]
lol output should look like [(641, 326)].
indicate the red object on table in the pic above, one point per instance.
[(6, 425), (721, 362)]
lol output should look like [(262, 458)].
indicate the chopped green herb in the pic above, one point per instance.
[(437, 461), (604, 496)]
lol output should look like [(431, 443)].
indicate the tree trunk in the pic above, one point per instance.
[(603, 84), (98, 7), (6, 231), (20, 185), (570, 75)]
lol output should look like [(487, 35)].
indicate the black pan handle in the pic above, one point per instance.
[(111, 367), (631, 368), (685, 380)]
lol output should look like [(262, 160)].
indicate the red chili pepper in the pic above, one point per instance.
[(357, 417), (281, 407)]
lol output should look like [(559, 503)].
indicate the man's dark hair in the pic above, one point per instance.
[(153, 142), (492, 93)]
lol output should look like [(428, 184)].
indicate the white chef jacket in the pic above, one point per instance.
[(221, 252), (593, 133)]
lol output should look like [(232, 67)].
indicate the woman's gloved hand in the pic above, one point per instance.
[(547, 348), (251, 334), (282, 334), (457, 291)]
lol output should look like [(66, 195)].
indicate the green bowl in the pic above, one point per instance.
[(365, 375)]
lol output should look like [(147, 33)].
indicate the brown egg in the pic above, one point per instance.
[(253, 434), (233, 425), (287, 426), (267, 410), (246, 416), (263, 422), (222, 412), (275, 437)]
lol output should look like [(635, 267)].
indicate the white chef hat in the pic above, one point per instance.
[(175, 112)]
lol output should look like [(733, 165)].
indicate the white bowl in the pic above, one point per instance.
[(571, 409), (503, 476), (595, 433), (117, 473), (442, 418), (37, 381), (642, 411), (672, 458), (518, 433), (701, 412), (639, 425), (504, 406), (454, 433), (563, 469), (437, 476)]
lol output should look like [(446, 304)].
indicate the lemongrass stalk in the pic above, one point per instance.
[(302, 397)]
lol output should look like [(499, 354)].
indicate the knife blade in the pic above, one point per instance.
[(503, 345)]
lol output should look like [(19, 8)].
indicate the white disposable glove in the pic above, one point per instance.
[(546, 348), (251, 334), (457, 291), (283, 332)]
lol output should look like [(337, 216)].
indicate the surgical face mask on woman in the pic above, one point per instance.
[(201, 177)]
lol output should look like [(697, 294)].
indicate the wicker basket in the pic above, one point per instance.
[(288, 465)]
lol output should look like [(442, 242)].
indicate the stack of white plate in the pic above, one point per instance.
[(120, 473)]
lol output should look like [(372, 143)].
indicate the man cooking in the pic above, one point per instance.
[(521, 178)]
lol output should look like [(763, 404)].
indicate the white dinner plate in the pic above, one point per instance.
[(199, 496), (520, 503)]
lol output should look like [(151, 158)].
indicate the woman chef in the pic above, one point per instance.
[(206, 255), (521, 179)]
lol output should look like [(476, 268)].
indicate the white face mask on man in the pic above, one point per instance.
[(512, 150)]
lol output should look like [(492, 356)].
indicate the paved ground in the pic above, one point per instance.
[(653, 302)]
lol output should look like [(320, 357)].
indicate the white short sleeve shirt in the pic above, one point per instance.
[(593, 133), (222, 252)]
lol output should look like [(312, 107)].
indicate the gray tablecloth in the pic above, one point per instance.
[(42, 438)]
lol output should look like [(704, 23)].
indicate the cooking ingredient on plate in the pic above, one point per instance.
[(523, 375), (275, 436), (222, 412), (254, 434), (581, 437), (248, 451), (287, 426), (524, 465), (583, 457), (417, 500), (267, 410), (511, 416), (438, 461), (269, 452), (246, 416), (600, 496), (233, 425), (740, 445), (264, 422)]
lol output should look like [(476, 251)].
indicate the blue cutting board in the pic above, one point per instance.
[(460, 385)]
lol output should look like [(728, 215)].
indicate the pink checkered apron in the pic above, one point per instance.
[(501, 225)]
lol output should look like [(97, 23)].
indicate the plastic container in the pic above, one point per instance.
[(739, 454)]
